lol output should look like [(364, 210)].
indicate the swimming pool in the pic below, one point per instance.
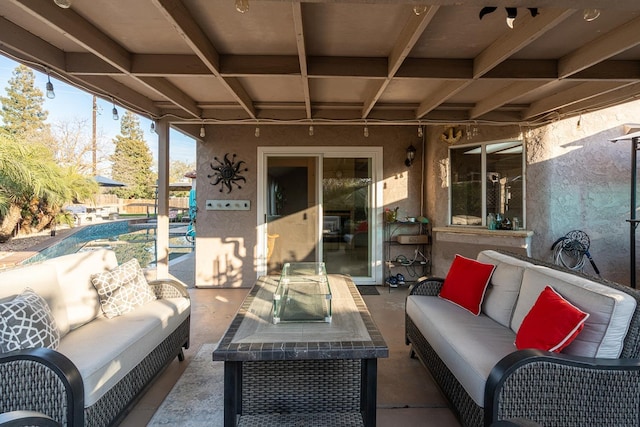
[(128, 239)]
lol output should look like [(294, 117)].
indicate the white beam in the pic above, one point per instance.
[(177, 14), (444, 92), (523, 34), (407, 39), (574, 95), (82, 32), (502, 97), (604, 47), (302, 55)]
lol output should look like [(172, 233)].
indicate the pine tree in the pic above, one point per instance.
[(22, 113), (132, 160)]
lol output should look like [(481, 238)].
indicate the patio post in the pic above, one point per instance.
[(162, 233), (633, 223)]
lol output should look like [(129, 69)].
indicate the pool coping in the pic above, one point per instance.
[(17, 257)]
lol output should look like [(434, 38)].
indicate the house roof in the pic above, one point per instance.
[(299, 61)]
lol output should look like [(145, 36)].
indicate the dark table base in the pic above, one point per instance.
[(329, 391)]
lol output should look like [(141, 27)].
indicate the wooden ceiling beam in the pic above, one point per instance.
[(177, 14), (82, 32), (622, 38), (25, 48), (19, 40), (522, 35), (319, 67), (107, 88), (302, 55), (570, 96), (624, 94), (446, 90), (502, 97), (407, 39)]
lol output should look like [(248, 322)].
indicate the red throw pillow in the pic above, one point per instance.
[(551, 324), (466, 282)]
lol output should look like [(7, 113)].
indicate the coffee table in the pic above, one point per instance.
[(301, 373)]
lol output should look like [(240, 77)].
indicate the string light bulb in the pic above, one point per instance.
[(366, 130), (153, 126), (419, 9), (64, 4), (257, 133), (420, 131), (114, 112), (203, 133), (591, 14), (310, 130), (51, 94), (242, 6)]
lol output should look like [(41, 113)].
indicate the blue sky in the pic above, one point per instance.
[(71, 104)]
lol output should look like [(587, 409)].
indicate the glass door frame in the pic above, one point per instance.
[(376, 208)]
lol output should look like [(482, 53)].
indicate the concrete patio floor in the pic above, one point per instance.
[(407, 395)]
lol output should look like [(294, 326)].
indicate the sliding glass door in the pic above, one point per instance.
[(320, 206)]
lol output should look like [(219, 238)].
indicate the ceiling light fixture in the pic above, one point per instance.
[(49, 87), (65, 4), (411, 155), (114, 111), (512, 13), (242, 6), (419, 9), (591, 14)]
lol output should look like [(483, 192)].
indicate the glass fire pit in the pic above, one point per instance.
[(303, 294)]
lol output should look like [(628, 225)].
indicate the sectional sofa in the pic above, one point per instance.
[(99, 340), (595, 380)]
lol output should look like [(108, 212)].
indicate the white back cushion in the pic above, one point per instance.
[(502, 293), (74, 275), (610, 310)]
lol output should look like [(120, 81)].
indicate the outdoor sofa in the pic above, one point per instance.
[(108, 346), (595, 380)]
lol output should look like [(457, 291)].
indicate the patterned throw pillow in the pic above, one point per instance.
[(26, 322), (122, 289)]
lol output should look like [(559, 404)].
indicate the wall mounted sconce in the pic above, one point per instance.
[(411, 155)]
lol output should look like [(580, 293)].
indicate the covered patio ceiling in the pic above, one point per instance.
[(334, 61)]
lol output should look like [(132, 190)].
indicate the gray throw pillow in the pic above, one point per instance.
[(122, 289), (26, 322)]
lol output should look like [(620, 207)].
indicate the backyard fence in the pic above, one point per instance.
[(136, 206)]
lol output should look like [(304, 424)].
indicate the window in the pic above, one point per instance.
[(487, 178)]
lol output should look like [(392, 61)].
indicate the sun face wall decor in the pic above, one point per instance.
[(227, 173)]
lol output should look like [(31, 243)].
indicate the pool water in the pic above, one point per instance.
[(128, 239)]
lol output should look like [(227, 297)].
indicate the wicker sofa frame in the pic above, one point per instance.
[(547, 388), (45, 381)]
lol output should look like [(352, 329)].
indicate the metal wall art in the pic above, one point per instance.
[(227, 173)]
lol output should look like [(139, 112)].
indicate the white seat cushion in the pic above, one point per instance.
[(610, 310), (105, 350), (469, 345)]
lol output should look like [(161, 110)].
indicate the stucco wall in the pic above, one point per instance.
[(226, 240), (576, 180)]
